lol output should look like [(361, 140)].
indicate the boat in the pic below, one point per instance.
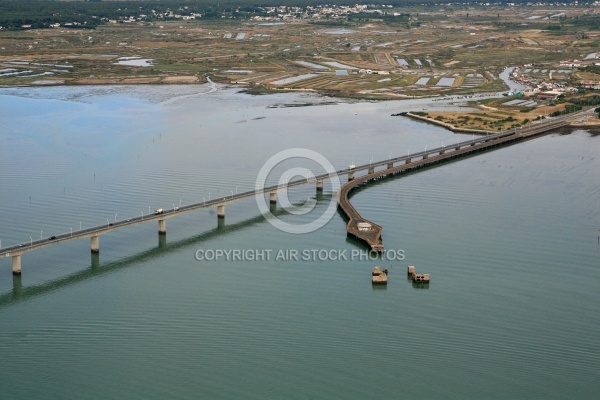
[(379, 277)]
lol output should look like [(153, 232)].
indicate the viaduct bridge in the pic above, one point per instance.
[(356, 224)]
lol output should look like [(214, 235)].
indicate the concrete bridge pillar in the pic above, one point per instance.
[(95, 261), (319, 195), (425, 156), (390, 165), (162, 226), (221, 210), (442, 151), (319, 185), (273, 197), (407, 161), (162, 241), (16, 264), (17, 287), (371, 170), (350, 175), (457, 148), (95, 244)]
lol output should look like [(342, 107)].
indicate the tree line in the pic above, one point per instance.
[(90, 13)]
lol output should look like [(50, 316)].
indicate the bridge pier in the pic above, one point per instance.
[(425, 156), (95, 261), (371, 170), (390, 165), (162, 241), (319, 185), (407, 161), (273, 197), (221, 210), (16, 264), (319, 195), (442, 151), (17, 287), (162, 226), (95, 244), (350, 175), (457, 148)]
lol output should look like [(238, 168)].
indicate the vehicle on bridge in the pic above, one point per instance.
[(159, 211)]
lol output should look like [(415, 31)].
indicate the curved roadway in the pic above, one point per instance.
[(372, 235)]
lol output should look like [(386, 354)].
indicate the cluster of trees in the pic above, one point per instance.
[(586, 101), (595, 69), (577, 103), (569, 108), (40, 14)]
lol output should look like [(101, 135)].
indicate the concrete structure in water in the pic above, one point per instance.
[(95, 244), (160, 216), (356, 223), (379, 277), (356, 226), (417, 278)]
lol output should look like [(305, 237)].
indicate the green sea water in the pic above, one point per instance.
[(509, 237)]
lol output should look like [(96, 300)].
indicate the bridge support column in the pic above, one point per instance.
[(457, 148), (95, 244), (442, 152), (95, 261), (273, 197), (350, 175), (319, 185), (16, 264), (17, 287), (162, 241), (425, 156), (407, 161), (162, 226), (221, 210), (371, 170), (390, 165)]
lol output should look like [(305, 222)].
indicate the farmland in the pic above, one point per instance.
[(405, 52)]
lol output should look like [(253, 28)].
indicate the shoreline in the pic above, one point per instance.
[(444, 124), (590, 122)]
